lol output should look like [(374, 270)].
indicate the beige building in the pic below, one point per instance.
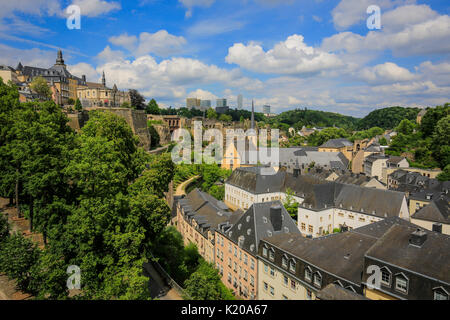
[(434, 216), (8, 74)]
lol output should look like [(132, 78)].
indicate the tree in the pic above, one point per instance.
[(18, 257), (137, 100), (4, 228), (405, 127), (78, 105), (126, 105), (154, 135), (205, 284), (441, 141), (211, 114), (383, 141), (225, 118), (152, 107), (290, 204), (320, 137), (40, 86)]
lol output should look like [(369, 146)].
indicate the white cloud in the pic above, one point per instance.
[(350, 12), (210, 27), (33, 57), (386, 73), (125, 41), (94, 8), (425, 33), (110, 55), (292, 56), (190, 4), (160, 43), (202, 94), (86, 69)]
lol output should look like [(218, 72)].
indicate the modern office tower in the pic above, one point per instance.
[(240, 100), (266, 109), (205, 104), (221, 103), (193, 103)]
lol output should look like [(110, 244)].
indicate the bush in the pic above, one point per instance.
[(4, 228)]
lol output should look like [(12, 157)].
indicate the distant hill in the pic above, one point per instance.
[(387, 118), (303, 117)]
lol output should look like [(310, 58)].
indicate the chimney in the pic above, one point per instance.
[(418, 238), (437, 227), (83, 77), (275, 217)]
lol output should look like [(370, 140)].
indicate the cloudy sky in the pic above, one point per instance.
[(318, 54)]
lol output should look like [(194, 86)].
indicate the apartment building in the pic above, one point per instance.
[(434, 216), (199, 215), (237, 245), (291, 267), (374, 164)]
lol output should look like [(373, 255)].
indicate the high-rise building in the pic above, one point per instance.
[(205, 104), (266, 109), (193, 103), (240, 100), (221, 103)]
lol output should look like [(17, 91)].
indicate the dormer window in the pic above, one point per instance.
[(401, 283), (292, 265), (264, 251), (308, 274), (317, 280), (440, 294), (284, 261), (386, 277), (272, 254)]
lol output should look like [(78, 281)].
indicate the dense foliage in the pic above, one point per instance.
[(387, 118)]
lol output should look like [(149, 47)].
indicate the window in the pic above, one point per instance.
[(285, 298), (439, 294), (401, 284), (385, 277), (286, 280), (308, 294), (272, 272), (292, 265), (229, 262), (245, 259), (318, 280), (308, 274), (235, 267), (229, 277), (266, 286), (293, 284), (252, 265), (235, 251), (266, 268), (303, 226), (264, 252), (310, 229), (272, 254), (272, 291), (245, 274), (252, 281), (284, 262), (229, 248)]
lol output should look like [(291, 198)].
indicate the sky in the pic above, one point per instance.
[(289, 54)]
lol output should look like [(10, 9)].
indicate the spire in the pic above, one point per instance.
[(19, 67), (59, 59), (103, 79), (253, 115)]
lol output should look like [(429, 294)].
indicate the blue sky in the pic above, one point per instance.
[(286, 53)]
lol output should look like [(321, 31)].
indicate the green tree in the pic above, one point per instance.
[(78, 105), (405, 127), (225, 118), (445, 174), (290, 204), (211, 114), (441, 141), (18, 258), (205, 284), (152, 107), (320, 137), (137, 100), (154, 135), (40, 86), (126, 105), (4, 228)]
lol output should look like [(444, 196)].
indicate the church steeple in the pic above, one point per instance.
[(59, 59), (103, 79)]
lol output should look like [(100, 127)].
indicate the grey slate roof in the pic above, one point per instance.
[(336, 292), (437, 211), (207, 211), (431, 259), (256, 224), (337, 143), (252, 180)]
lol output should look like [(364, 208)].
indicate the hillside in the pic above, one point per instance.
[(387, 118)]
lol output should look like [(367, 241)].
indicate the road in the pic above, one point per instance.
[(181, 188)]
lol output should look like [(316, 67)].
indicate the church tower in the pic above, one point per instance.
[(59, 59), (103, 79)]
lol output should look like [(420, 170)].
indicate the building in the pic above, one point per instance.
[(374, 164), (239, 245), (199, 216), (323, 205), (193, 103), (220, 103), (240, 101), (414, 265), (434, 216), (425, 196), (343, 176), (266, 109), (205, 104), (338, 145), (8, 74), (292, 267), (99, 95), (430, 173), (222, 110), (58, 76)]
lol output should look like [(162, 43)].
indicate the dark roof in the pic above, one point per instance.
[(432, 259), (374, 157), (336, 292), (207, 211), (437, 211), (337, 143), (256, 223), (395, 159), (252, 180)]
